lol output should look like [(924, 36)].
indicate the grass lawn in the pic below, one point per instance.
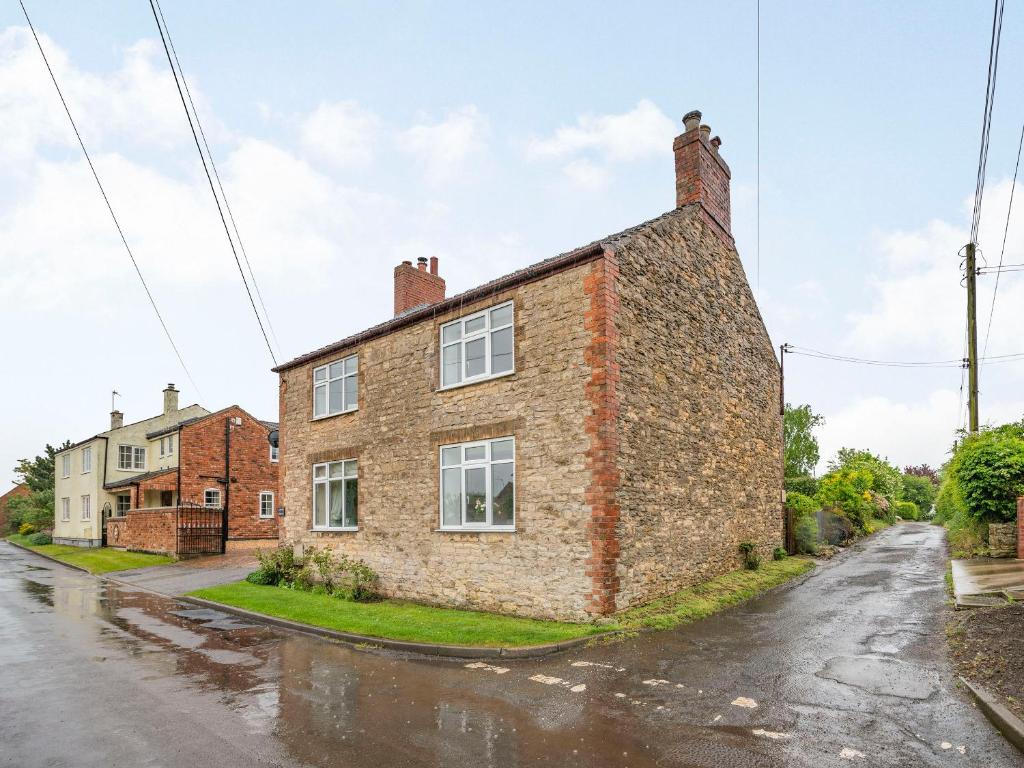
[(396, 619), (702, 600), (94, 560)]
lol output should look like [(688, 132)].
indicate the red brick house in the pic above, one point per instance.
[(19, 489), (590, 433)]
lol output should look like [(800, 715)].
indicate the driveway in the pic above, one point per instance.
[(186, 575), (846, 668)]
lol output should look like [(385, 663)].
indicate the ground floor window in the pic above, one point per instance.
[(266, 504), (86, 507), (336, 495), (211, 497), (124, 503), (65, 509), (478, 485)]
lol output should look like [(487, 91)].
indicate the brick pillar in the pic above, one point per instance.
[(1020, 527)]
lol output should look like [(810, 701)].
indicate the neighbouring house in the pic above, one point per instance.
[(185, 475), (590, 433), (19, 489)]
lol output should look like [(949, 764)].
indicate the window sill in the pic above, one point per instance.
[(334, 415), (479, 529), (334, 530), (480, 380)]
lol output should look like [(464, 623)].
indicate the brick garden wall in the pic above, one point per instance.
[(145, 530), (700, 434)]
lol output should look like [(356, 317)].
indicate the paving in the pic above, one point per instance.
[(983, 581), (187, 575), (846, 667)]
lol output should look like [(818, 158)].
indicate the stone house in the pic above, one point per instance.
[(587, 434), (145, 472), (19, 489)]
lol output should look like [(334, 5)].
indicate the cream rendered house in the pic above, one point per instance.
[(81, 504)]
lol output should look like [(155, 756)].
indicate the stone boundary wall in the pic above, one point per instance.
[(1020, 527)]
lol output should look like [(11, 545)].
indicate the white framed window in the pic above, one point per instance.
[(167, 445), (274, 452), (87, 459), (478, 485), (131, 457), (266, 504), (211, 497), (336, 496), (124, 503), (478, 347), (65, 509), (86, 507), (336, 387), (65, 465)]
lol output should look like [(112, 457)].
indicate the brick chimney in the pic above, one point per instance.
[(170, 399), (417, 285), (702, 176), (116, 419)]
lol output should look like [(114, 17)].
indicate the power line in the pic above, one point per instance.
[(948, 363), (986, 120), (106, 200), (216, 175), (209, 178)]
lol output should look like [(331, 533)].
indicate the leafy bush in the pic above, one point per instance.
[(988, 470), (40, 538), (882, 509), (907, 510), (921, 491), (26, 528), (837, 529), (800, 504), (262, 577), (320, 571), (751, 560), (806, 533), (949, 503), (886, 480), (803, 484), (847, 492), (778, 554), (967, 537)]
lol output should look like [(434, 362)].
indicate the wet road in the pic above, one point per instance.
[(847, 668)]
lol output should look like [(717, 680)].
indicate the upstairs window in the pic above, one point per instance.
[(477, 347), (335, 387), (131, 457), (336, 495), (478, 485), (274, 452), (266, 504), (167, 445), (87, 459), (65, 465)]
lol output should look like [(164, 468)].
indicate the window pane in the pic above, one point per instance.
[(320, 400), (336, 369), (452, 364), (502, 490), (320, 505), (501, 449), (351, 400), (451, 333), (476, 324), (475, 363), (319, 374), (320, 470), (476, 453), (501, 350), (350, 364), (352, 502), (476, 495), (336, 502), (337, 468), (451, 485), (334, 402), (450, 456), (501, 316), (351, 468)]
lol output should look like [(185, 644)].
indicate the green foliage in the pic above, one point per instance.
[(804, 484), (806, 533), (921, 491), (801, 446), (778, 554), (41, 537), (988, 471), (263, 577), (967, 537), (907, 510), (847, 492), (318, 570), (37, 473), (751, 559), (36, 508), (949, 503), (25, 529), (800, 504), (886, 479)]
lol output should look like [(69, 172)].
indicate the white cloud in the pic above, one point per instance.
[(586, 174), (444, 149), (343, 132)]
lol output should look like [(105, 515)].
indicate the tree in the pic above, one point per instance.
[(987, 470), (920, 490), (886, 479), (800, 445), (848, 492), (923, 470), (38, 475)]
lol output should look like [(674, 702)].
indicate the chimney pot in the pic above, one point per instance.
[(116, 419), (691, 119), (705, 132), (716, 143), (421, 263), (702, 175), (170, 399), (433, 265)]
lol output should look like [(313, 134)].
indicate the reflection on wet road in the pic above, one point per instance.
[(847, 668)]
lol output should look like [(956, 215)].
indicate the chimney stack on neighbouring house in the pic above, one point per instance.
[(702, 176), (116, 419), (170, 399), (415, 286)]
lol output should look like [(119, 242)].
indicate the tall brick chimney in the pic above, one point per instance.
[(417, 285), (702, 176), (170, 399), (116, 419)]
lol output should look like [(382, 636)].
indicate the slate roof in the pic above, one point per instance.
[(519, 277), (271, 425), (137, 478)]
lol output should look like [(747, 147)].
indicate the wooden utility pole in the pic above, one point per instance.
[(972, 337)]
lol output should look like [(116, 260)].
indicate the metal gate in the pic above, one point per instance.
[(200, 530)]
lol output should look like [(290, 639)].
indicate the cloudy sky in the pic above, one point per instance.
[(351, 136)]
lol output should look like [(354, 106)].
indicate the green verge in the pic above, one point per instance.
[(702, 600), (95, 560), (396, 619)]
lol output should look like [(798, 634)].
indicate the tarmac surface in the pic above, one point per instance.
[(847, 666)]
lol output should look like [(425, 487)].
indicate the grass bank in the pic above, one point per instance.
[(95, 560), (396, 619)]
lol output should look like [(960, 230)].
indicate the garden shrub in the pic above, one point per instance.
[(40, 538), (921, 491), (803, 484), (26, 528), (319, 571), (886, 480), (967, 537), (751, 560), (907, 510), (778, 554), (806, 534), (262, 577), (988, 470), (949, 503), (801, 504), (837, 529), (847, 492)]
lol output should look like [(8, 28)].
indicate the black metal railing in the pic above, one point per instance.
[(200, 529)]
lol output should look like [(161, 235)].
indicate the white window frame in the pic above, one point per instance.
[(86, 507), (325, 480), (134, 465), (117, 503), (65, 465), (87, 460), (465, 338), (463, 464), (325, 381), (275, 453), (65, 509), (206, 503), (264, 495), (163, 451)]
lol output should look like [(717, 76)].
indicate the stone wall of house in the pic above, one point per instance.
[(402, 420), (699, 429)]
